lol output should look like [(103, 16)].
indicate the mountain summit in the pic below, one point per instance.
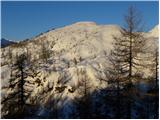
[(155, 31)]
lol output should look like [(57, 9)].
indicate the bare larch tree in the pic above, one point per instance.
[(125, 56)]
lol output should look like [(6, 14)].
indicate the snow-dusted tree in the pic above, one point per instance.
[(83, 104), (126, 49), (45, 52), (20, 63), (116, 75), (10, 55), (154, 66), (10, 58), (52, 107), (28, 55), (155, 69), (130, 43), (15, 101), (75, 61)]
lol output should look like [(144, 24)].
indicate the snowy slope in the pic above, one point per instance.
[(83, 40), (154, 32), (86, 42)]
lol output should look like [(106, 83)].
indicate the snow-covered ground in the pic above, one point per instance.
[(77, 49)]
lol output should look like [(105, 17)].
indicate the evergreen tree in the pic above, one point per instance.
[(155, 65), (45, 52), (125, 55), (13, 105), (84, 103)]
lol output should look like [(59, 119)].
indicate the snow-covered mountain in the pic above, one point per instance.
[(154, 32), (77, 49), (5, 42)]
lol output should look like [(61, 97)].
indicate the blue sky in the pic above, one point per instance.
[(21, 19)]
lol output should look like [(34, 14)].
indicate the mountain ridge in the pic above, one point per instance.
[(6, 42)]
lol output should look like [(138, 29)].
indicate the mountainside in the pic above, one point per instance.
[(5, 43), (75, 50), (154, 32)]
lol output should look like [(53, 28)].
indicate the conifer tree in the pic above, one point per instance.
[(13, 105), (83, 104), (125, 55), (45, 52)]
